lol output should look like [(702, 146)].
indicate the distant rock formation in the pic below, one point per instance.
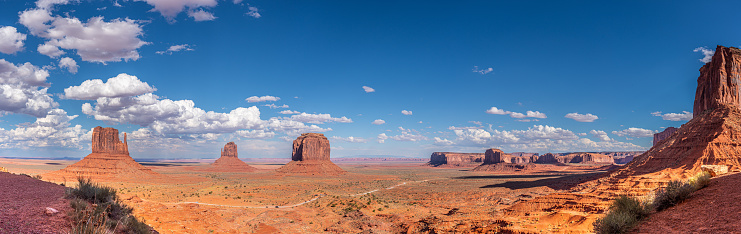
[(587, 158), (229, 161), (719, 81), (311, 157), (2, 169), (664, 134), (109, 160), (497, 160), (548, 158), (455, 159)]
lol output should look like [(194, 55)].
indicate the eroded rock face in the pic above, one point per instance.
[(664, 134), (230, 150), (105, 140), (455, 159), (719, 81), (310, 147)]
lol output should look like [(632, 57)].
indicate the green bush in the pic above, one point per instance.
[(674, 193), (701, 180), (106, 213), (625, 212), (92, 192)]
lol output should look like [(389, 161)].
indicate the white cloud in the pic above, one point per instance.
[(318, 118), (176, 48), (273, 106), (289, 112), (95, 41), (368, 89), (378, 122), (528, 114), (171, 8), (254, 12), (46, 4), (201, 15), (69, 63), (406, 135), (707, 54), (684, 116), (53, 130), (237, 1), (123, 85), (50, 50), (262, 99), (482, 71), (11, 41), (382, 138), (255, 134), (582, 118), (21, 92), (350, 139), (444, 142), (635, 132), (406, 112), (602, 135)]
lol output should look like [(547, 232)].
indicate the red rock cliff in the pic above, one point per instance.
[(664, 134), (719, 81), (230, 150), (310, 147), (105, 140), (455, 159)]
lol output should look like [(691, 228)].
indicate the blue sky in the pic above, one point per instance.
[(445, 76)]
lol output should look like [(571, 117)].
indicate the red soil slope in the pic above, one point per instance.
[(23, 201)]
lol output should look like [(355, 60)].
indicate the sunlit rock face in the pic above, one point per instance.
[(719, 81), (310, 156)]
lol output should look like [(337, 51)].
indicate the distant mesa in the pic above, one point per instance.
[(497, 160), (664, 134), (109, 160), (451, 159), (229, 161), (311, 157)]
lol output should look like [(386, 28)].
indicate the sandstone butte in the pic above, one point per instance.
[(664, 134), (710, 138), (451, 159), (109, 160), (496, 160), (229, 161), (310, 156)]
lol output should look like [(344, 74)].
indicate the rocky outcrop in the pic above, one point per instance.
[(229, 161), (109, 160), (664, 134), (719, 81), (311, 157), (548, 158), (586, 158), (455, 159), (497, 160)]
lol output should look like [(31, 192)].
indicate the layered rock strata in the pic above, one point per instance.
[(719, 81), (109, 160), (455, 159), (664, 134), (310, 156)]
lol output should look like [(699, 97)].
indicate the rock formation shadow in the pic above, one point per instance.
[(557, 182)]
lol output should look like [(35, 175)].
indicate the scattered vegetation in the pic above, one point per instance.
[(96, 209), (625, 212)]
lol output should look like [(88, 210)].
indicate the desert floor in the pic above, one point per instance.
[(382, 196)]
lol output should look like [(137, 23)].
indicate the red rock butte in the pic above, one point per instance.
[(719, 81), (452, 159), (109, 160), (497, 160), (229, 161), (311, 157)]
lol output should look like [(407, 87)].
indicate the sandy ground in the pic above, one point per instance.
[(23, 201)]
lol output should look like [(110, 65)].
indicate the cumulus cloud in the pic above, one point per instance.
[(46, 4), (406, 135), (96, 40), (318, 118), (123, 85), (53, 130), (443, 142), (635, 132), (482, 71), (381, 138), (171, 8), (69, 63), (262, 99), (528, 114), (253, 11), (406, 112), (684, 116), (602, 135), (378, 122), (176, 48), (289, 112), (201, 15), (707, 54), (49, 50), (255, 134), (11, 41), (273, 106), (368, 89), (582, 118), (22, 89), (349, 139)]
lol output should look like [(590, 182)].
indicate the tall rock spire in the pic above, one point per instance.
[(719, 81)]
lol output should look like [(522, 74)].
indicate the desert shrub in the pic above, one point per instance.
[(701, 180), (674, 193), (625, 212), (106, 213), (92, 192), (87, 219)]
